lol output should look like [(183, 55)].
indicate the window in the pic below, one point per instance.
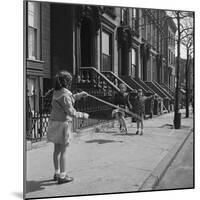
[(124, 16), (143, 25), (153, 35), (33, 93), (134, 13), (169, 40), (33, 30), (133, 62), (106, 51), (105, 43), (135, 22), (149, 31), (154, 77), (172, 59)]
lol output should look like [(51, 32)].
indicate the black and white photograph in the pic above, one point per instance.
[(108, 99)]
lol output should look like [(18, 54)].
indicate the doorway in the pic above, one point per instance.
[(86, 43), (124, 60)]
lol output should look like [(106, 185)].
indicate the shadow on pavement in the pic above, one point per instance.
[(101, 141), (110, 131), (32, 186), (127, 134)]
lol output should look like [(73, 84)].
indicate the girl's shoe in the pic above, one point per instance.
[(66, 179), (141, 133), (55, 177), (124, 130)]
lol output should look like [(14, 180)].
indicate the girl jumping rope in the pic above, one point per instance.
[(59, 129), (138, 104), (121, 100)]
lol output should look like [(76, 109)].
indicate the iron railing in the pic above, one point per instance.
[(89, 80), (116, 80)]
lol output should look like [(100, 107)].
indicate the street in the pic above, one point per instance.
[(180, 173)]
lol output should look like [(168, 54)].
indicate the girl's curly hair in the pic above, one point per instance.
[(63, 79)]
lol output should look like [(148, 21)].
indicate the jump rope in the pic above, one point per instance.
[(104, 102)]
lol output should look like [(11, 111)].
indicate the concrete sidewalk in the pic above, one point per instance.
[(108, 161)]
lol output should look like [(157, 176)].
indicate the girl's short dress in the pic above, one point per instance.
[(59, 132), (122, 100), (118, 112), (139, 105), (60, 124)]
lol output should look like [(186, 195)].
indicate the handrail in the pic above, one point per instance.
[(102, 76), (138, 84), (158, 89), (119, 79), (164, 90), (143, 85), (169, 89)]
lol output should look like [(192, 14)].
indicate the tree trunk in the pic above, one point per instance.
[(186, 86), (176, 109)]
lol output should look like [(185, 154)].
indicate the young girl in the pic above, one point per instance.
[(138, 105), (121, 100), (59, 129)]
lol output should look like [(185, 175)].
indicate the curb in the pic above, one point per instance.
[(155, 176)]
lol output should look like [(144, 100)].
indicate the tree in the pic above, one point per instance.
[(183, 20), (184, 36), (176, 113), (187, 41)]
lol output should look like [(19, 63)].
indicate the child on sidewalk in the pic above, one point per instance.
[(59, 129), (122, 100), (138, 105)]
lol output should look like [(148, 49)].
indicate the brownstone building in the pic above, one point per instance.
[(101, 46)]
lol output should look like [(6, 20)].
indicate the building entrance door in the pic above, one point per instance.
[(124, 61), (86, 43)]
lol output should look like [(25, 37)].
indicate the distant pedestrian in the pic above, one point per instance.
[(60, 123), (138, 106), (121, 99)]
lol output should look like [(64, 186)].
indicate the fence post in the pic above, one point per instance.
[(28, 117), (40, 112), (34, 115)]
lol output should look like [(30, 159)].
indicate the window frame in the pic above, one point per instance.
[(111, 47), (134, 65), (36, 26)]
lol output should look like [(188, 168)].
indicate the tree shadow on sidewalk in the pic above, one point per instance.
[(32, 186)]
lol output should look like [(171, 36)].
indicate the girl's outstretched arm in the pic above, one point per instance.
[(79, 95), (69, 108)]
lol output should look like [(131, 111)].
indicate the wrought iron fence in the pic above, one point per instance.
[(92, 82), (37, 122)]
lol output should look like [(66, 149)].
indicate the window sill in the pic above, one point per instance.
[(34, 60)]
